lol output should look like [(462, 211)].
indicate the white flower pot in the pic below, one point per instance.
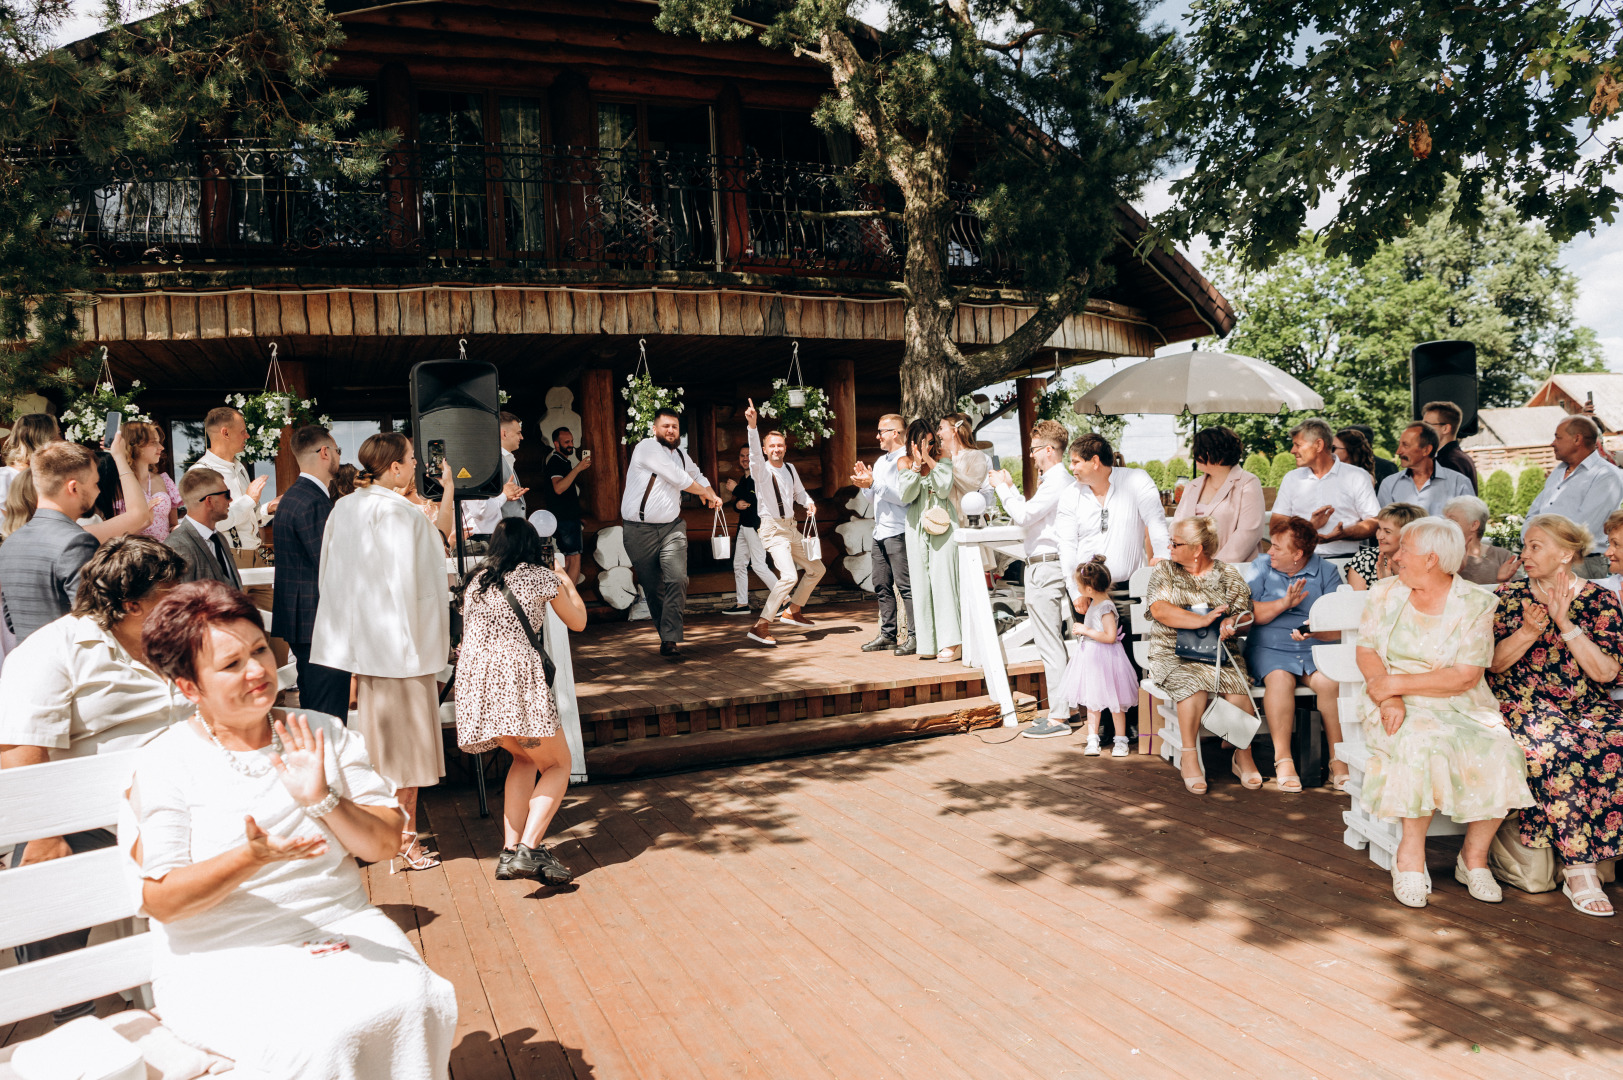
[(797, 399)]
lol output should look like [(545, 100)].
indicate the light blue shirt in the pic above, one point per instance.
[(1587, 495), (1444, 485), (889, 511)]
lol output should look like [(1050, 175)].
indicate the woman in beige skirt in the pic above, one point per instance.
[(385, 615)]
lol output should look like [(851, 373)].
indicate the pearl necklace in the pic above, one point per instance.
[(276, 748)]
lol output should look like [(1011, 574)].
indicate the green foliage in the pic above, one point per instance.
[(1284, 462), (1178, 469), (1528, 486), (139, 94), (1499, 492), (1258, 465), (1158, 473), (1289, 106), (1346, 330)]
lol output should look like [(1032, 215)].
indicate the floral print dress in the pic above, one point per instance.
[(1568, 726)]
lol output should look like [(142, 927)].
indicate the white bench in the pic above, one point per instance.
[(1343, 610)]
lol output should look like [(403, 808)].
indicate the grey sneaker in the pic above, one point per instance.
[(504, 865), (539, 864), (1046, 728)]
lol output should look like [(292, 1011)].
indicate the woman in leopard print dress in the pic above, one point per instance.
[(502, 696)]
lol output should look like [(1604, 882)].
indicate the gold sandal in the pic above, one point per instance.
[(1282, 782)]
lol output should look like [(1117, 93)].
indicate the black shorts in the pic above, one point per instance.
[(568, 536)]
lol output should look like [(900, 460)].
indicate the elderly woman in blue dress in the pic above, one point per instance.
[(1279, 650)]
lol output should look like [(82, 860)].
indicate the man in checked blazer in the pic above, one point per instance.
[(195, 539), (297, 529)]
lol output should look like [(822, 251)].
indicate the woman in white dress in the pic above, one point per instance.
[(970, 465), (245, 823), (385, 617), (502, 696)]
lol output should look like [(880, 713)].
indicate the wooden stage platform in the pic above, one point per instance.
[(956, 907), (627, 692)]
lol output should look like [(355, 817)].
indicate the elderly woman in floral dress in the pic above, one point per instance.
[(1560, 643)]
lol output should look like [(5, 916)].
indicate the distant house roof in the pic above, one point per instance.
[(1527, 426), (1571, 391)]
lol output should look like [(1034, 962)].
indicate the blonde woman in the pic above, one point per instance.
[(970, 465), (143, 449), (1372, 564), (29, 432)]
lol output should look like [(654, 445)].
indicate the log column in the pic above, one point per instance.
[(705, 442), (735, 227), (601, 483), (395, 110), (1028, 390), (287, 466), (840, 450)]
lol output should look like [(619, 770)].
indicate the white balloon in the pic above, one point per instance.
[(974, 503), (544, 521)]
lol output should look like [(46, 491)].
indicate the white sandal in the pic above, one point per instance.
[(1589, 895), (1411, 887), (1195, 784), (1478, 882)]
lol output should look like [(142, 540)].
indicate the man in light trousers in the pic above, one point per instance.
[(778, 491)]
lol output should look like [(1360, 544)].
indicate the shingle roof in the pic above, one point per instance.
[(1526, 426)]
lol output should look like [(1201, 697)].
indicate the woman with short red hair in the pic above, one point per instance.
[(245, 822)]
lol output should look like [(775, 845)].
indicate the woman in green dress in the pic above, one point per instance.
[(932, 556), (1437, 742)]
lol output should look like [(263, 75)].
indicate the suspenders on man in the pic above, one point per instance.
[(780, 490)]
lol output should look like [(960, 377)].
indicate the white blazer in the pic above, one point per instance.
[(385, 603)]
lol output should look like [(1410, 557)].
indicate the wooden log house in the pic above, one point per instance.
[(570, 181)]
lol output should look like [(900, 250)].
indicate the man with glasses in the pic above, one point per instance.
[(195, 539), (1044, 579), (297, 531), (1109, 512), (889, 552)]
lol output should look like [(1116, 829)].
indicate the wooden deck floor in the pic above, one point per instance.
[(963, 908)]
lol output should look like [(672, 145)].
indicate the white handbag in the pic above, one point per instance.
[(721, 545), (1222, 717), (810, 542)]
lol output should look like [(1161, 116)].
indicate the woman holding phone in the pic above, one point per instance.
[(925, 484)]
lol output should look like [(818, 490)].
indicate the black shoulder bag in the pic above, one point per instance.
[(529, 631)]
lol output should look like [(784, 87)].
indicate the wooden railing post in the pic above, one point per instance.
[(599, 434), (1028, 389), (840, 449)]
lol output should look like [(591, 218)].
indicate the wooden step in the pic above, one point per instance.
[(648, 757)]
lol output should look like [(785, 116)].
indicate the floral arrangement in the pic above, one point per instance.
[(1505, 532), (267, 413), (85, 420), (644, 398), (803, 422)]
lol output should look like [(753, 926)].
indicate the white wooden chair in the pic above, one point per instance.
[(63, 895), (1343, 610)]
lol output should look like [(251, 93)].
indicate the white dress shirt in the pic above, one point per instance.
[(889, 511), (318, 482), (1038, 516), (1113, 527), (1347, 490), (71, 688), (778, 489), (239, 528), (493, 509), (655, 480), (1588, 496)]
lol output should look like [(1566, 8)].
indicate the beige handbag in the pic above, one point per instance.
[(935, 520), (1514, 863)]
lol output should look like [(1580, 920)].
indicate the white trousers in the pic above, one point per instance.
[(782, 539), (750, 554)]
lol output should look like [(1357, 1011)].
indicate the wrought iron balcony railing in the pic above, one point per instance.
[(551, 207)]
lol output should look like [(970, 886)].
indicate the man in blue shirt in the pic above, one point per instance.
[(889, 537), (1584, 486), (1422, 482)]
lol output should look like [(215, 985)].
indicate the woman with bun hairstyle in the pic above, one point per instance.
[(385, 615)]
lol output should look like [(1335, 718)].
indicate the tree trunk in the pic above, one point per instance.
[(930, 371)]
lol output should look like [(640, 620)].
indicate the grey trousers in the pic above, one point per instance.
[(890, 580), (1046, 604), (659, 555)]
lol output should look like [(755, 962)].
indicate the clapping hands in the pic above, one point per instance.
[(861, 475), (1535, 618), (302, 764), (1295, 594), (269, 849)]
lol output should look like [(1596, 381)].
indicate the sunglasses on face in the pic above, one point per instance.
[(211, 494)]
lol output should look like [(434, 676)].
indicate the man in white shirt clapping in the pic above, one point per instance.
[(656, 538), (1044, 580), (1338, 498), (778, 491), (1109, 512), (227, 435), (889, 555)]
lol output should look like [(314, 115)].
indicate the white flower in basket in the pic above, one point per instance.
[(644, 399), (85, 420)]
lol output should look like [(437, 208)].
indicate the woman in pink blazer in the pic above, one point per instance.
[(1227, 494)]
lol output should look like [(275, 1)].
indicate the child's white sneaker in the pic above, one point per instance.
[(1118, 748), (1092, 749)]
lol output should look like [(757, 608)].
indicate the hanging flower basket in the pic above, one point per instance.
[(85, 419), (644, 398), (269, 411), (802, 412)]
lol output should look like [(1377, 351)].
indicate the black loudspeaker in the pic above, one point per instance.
[(1444, 371), (455, 412)]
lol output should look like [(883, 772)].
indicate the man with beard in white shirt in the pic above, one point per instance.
[(1045, 589)]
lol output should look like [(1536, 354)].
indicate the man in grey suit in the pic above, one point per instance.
[(194, 539), (40, 562)]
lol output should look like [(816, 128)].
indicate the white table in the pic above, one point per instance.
[(557, 639), (982, 646)]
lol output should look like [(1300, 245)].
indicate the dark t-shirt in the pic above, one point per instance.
[(1384, 467), (1452, 457), (749, 517), (564, 505)]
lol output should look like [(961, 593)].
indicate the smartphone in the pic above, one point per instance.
[(584, 454), (436, 458), (115, 420), (1591, 397)]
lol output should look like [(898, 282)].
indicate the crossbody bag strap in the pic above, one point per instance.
[(529, 631)]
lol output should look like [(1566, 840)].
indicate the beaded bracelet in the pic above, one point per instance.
[(325, 806), (1570, 634)]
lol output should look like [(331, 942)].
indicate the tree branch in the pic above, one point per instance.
[(994, 364), (1035, 32), (831, 215)]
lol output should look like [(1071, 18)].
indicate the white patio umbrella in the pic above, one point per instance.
[(1202, 382)]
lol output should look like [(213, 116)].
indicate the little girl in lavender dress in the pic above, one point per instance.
[(1099, 677)]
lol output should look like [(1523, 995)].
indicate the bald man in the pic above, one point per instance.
[(1584, 486)]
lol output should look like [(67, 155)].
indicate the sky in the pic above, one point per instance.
[(1596, 261)]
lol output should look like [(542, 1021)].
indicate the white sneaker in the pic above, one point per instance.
[(1118, 748), (1092, 749)]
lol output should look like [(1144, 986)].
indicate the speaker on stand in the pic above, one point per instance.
[(455, 417), (1445, 371)]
